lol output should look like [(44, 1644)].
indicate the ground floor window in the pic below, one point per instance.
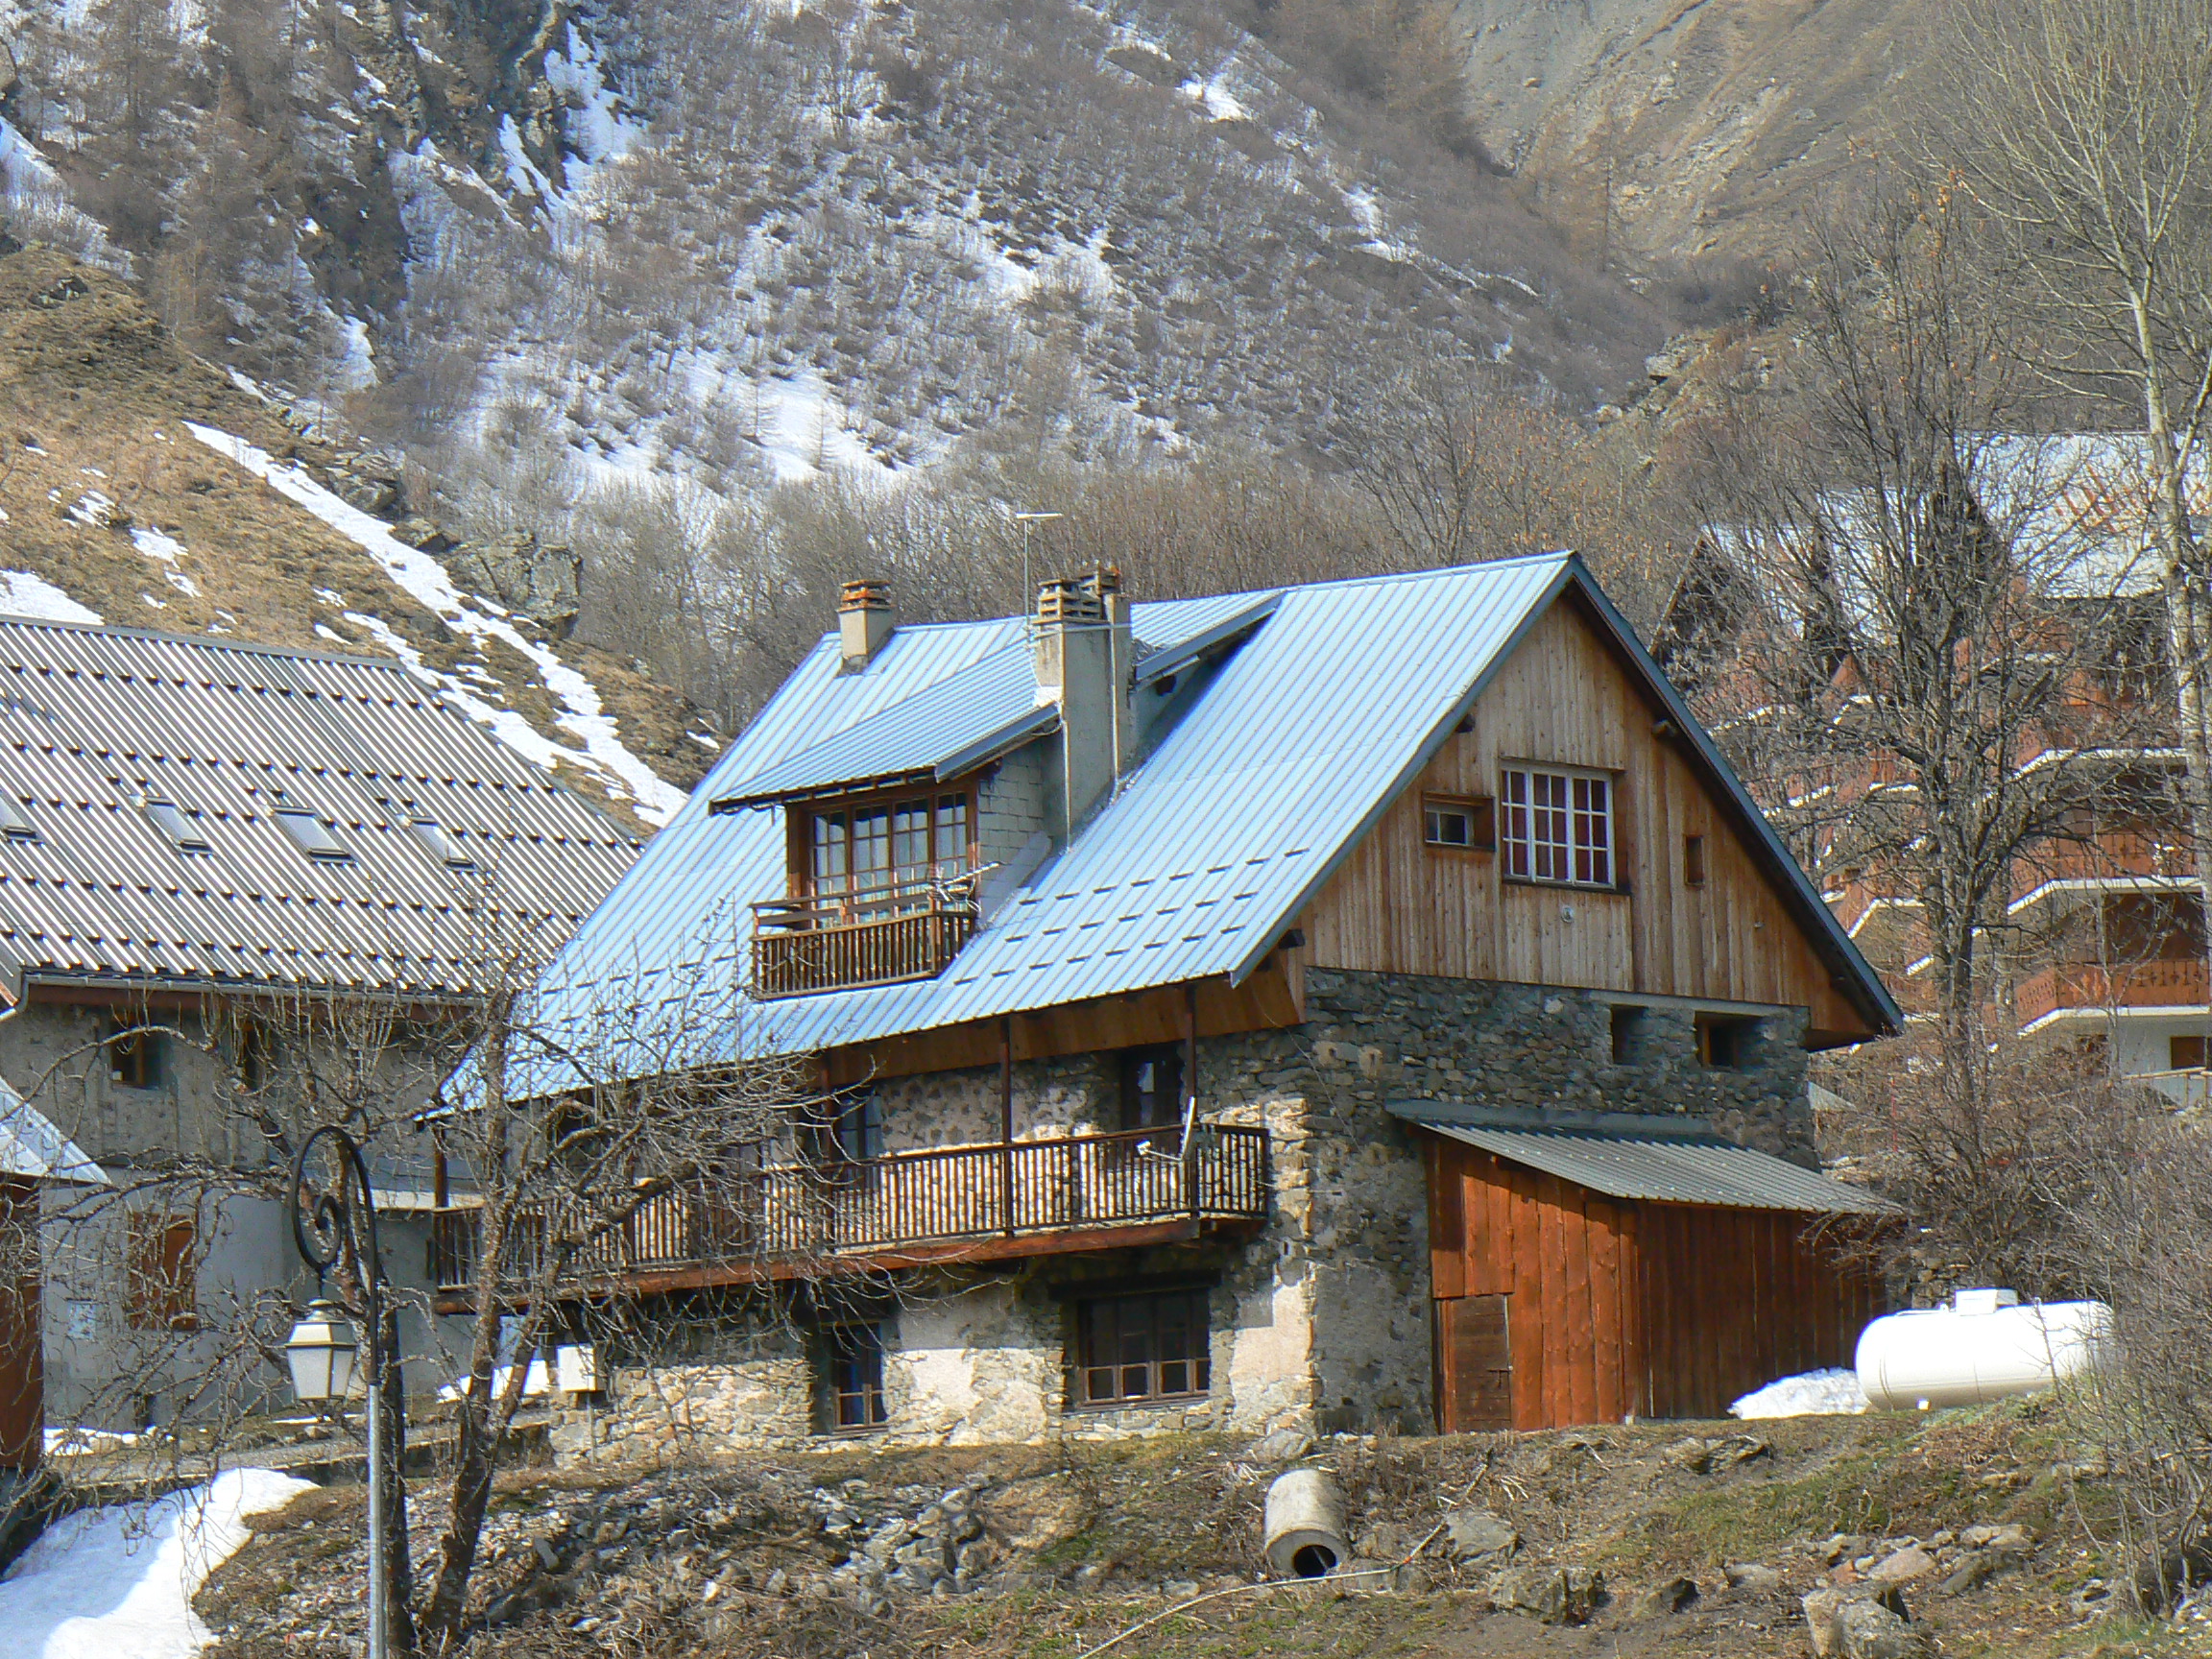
[(853, 1379), (1142, 1348)]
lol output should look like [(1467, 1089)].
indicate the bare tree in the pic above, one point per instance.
[(2083, 131)]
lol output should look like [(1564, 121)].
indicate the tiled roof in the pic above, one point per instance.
[(96, 723), (1660, 1159), (1294, 743)]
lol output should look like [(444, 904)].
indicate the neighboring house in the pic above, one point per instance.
[(227, 870), (2104, 936), (1182, 967), (34, 1156)]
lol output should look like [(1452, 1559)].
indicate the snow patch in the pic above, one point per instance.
[(596, 124), (103, 1582), (156, 545), (427, 582), (1832, 1393), (1219, 102), (23, 594)]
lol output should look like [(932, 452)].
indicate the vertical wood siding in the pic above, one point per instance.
[(1399, 907), (1659, 1310)]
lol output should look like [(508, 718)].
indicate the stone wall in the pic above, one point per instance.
[(1321, 1319)]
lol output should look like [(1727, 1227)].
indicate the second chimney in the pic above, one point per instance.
[(1085, 654), (865, 619)]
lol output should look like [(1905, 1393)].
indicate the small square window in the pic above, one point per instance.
[(1725, 1041), (309, 833), (133, 1055), (1463, 824), (182, 828), (440, 844), (2185, 1053), (1629, 1022), (853, 1379)]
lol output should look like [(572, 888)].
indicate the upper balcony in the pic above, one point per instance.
[(908, 929), (960, 1203), (2088, 987), (2125, 860)]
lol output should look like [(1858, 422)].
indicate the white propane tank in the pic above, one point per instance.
[(1984, 1346)]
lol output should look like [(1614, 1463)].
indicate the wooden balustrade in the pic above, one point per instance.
[(1078, 1183), (2179, 983), (878, 936)]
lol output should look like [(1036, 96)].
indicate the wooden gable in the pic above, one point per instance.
[(1567, 697)]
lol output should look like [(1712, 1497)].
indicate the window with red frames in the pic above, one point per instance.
[(1557, 827)]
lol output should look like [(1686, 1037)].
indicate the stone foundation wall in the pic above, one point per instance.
[(1321, 1320)]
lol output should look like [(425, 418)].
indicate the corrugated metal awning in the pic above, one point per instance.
[(1662, 1160)]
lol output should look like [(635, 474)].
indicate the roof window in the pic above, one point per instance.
[(309, 833), (13, 825), (440, 845), (182, 828)]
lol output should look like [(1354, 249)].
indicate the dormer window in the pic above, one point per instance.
[(888, 853)]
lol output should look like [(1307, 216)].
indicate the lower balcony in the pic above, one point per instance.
[(962, 1203), (2088, 987)]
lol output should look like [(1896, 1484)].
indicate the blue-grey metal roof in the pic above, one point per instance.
[(1294, 746), (1659, 1160), (31, 1148)]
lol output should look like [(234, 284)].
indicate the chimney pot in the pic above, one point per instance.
[(865, 619)]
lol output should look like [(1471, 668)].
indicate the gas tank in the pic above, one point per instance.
[(1984, 1346)]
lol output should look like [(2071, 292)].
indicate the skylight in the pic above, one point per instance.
[(181, 827), (12, 823), (432, 834), (309, 833)]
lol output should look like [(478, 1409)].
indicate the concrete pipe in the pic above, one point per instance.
[(1304, 1525)]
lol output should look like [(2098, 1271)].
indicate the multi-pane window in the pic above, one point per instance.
[(853, 1379), (1151, 1087), (1142, 1348), (1558, 827), (889, 853), (1465, 825), (858, 1126)]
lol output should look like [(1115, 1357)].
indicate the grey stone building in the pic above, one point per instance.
[(1154, 955)]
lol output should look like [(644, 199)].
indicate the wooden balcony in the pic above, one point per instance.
[(962, 1203), (905, 930), (2179, 983), (2114, 856)]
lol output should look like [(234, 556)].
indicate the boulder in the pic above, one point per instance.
[(1475, 1534), (1903, 1566), (2012, 1536), (1662, 1599), (1554, 1595), (542, 582), (1281, 1445), (1828, 1623), (1977, 1570), (1869, 1630)]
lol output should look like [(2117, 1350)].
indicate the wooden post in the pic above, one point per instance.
[(1006, 1124), (1190, 1097)]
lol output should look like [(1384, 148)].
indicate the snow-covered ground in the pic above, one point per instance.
[(426, 581), (1814, 1394), (23, 594), (118, 1583)]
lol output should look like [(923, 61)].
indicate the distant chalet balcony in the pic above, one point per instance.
[(962, 1203), (2179, 983), (878, 936)]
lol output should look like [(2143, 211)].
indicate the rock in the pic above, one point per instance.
[(1736, 1449), (1824, 1617), (1473, 1534), (1283, 1446), (541, 582), (1692, 1455), (2012, 1536), (1903, 1566), (1753, 1575), (1413, 1580), (1555, 1595), (1659, 1601), (1869, 1630), (1179, 1589), (1977, 1570), (548, 1557)]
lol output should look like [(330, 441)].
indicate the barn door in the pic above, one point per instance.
[(1474, 1365)]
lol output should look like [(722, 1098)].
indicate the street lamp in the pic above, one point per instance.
[(329, 1224)]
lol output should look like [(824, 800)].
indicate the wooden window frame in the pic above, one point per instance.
[(1126, 1064), (804, 883), (1114, 1318), (1481, 814), (1522, 855), (133, 1061), (853, 1400), (161, 1277)]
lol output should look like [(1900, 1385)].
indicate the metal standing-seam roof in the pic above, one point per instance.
[(96, 721), (1293, 745), (1660, 1159), (31, 1148)]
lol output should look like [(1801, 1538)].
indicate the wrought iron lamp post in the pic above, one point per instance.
[(327, 1225)]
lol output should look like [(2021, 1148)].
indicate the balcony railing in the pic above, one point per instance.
[(2114, 856), (2179, 983), (788, 1218), (908, 929)]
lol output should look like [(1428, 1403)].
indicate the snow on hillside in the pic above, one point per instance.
[(426, 581), (23, 594), (117, 1583)]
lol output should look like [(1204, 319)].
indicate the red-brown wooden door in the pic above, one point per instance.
[(1474, 1364)]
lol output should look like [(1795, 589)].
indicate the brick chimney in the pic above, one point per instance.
[(865, 619), (1085, 660)]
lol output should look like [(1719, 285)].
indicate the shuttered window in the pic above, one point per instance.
[(1558, 827), (161, 1288)]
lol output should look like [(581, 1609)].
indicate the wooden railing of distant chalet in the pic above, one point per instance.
[(2178, 983), (876, 936), (1080, 1183)]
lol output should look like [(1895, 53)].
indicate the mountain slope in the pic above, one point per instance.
[(114, 507)]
